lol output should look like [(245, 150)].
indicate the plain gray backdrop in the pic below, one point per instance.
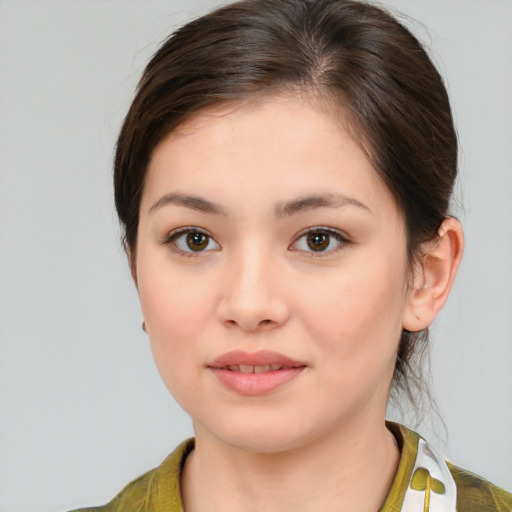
[(82, 407)]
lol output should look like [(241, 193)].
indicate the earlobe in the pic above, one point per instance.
[(434, 276)]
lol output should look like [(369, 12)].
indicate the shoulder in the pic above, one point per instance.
[(133, 497), (475, 494), (156, 490)]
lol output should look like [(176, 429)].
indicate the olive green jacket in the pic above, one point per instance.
[(159, 489)]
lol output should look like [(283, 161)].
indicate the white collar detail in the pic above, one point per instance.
[(431, 487)]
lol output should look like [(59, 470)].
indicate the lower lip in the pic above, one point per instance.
[(253, 384)]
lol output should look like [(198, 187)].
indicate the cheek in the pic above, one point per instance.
[(358, 310), (175, 309), (171, 300)]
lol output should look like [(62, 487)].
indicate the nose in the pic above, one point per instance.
[(254, 293)]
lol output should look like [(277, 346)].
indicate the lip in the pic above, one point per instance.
[(261, 357), (254, 384)]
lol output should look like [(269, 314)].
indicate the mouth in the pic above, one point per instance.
[(256, 373), (250, 368), (263, 361)]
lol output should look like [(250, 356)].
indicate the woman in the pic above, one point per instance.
[(283, 177)]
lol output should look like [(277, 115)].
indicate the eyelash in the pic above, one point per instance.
[(338, 236), (342, 240), (174, 235)]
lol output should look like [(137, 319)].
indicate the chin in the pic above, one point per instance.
[(264, 444), (260, 435)]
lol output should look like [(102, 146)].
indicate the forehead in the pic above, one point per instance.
[(283, 144), (284, 105)]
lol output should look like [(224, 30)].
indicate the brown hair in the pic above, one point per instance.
[(353, 54)]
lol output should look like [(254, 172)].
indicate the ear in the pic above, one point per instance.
[(434, 276)]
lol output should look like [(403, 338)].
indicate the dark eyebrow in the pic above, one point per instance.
[(189, 201), (282, 209), (315, 201)]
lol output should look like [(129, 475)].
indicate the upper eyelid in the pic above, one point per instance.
[(325, 229), (183, 230)]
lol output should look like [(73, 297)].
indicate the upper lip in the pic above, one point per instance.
[(260, 358)]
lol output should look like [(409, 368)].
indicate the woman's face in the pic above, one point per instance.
[(272, 273)]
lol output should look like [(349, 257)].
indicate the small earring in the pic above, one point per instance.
[(144, 326)]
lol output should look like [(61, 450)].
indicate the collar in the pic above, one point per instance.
[(422, 483)]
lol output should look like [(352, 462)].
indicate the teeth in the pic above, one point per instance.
[(259, 368)]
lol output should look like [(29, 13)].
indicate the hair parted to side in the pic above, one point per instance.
[(353, 55)]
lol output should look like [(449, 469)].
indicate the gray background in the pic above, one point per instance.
[(82, 408)]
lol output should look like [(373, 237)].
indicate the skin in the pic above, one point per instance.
[(258, 285)]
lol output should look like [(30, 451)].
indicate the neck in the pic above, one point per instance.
[(353, 471)]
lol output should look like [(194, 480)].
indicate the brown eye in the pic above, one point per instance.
[(197, 241), (188, 241), (318, 241)]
